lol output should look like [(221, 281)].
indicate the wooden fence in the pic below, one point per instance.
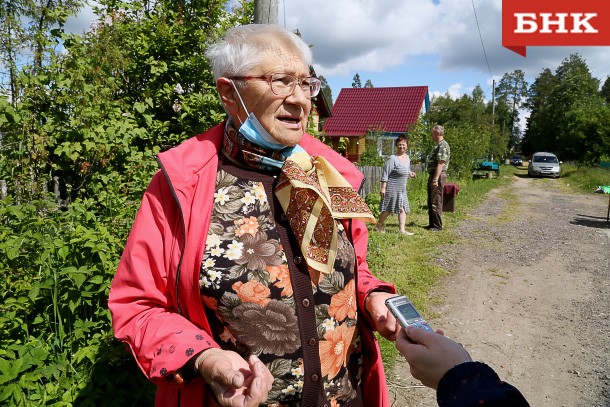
[(372, 175), (45, 188)]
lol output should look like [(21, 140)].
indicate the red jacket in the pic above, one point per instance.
[(154, 300)]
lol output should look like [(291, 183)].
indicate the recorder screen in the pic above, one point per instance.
[(408, 311)]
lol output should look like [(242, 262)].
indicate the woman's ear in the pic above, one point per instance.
[(228, 96)]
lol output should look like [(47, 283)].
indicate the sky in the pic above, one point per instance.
[(436, 43), (448, 45)]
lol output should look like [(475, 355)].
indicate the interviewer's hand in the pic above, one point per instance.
[(430, 355), (235, 382), (385, 323)]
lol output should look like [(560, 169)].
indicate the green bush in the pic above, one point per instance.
[(373, 200), (55, 334)]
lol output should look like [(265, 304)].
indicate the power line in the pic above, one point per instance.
[(481, 37)]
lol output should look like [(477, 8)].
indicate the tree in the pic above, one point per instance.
[(29, 35), (12, 38), (572, 87), (588, 123), (356, 83), (605, 92), (512, 91), (468, 130), (94, 116), (327, 91), (541, 130), (368, 84)]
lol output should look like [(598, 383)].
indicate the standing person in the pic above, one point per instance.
[(437, 163), (444, 365), (242, 282), (394, 199)]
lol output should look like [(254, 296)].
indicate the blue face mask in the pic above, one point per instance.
[(255, 133)]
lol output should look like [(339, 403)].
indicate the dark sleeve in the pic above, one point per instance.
[(476, 384)]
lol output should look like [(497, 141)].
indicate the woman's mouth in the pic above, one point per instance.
[(290, 121)]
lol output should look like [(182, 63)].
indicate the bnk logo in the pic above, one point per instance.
[(554, 22)]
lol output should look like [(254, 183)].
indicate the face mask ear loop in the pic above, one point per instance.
[(241, 100)]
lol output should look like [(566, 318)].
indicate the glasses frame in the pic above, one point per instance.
[(296, 81)]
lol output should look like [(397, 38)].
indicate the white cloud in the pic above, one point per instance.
[(367, 35), (82, 22), (379, 36), (361, 34)]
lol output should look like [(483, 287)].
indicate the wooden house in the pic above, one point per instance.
[(388, 112)]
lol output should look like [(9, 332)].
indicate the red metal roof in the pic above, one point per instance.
[(357, 110)]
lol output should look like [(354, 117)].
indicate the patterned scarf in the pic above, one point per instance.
[(312, 193)]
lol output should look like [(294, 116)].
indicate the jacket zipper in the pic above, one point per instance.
[(173, 192)]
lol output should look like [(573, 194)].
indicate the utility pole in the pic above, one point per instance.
[(265, 11), (493, 102)]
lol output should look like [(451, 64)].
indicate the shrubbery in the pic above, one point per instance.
[(56, 337)]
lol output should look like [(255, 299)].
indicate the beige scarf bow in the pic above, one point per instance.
[(314, 195)]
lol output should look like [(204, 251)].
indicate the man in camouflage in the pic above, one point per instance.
[(437, 163)]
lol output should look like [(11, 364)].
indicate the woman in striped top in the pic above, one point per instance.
[(396, 172)]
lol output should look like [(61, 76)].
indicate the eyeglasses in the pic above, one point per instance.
[(283, 84)]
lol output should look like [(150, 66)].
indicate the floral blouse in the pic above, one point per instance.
[(261, 298)]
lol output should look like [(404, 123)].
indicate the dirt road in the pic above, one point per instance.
[(528, 292)]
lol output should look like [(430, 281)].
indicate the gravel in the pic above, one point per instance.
[(527, 291)]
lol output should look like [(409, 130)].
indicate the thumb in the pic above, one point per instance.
[(229, 377), (215, 366), (417, 335)]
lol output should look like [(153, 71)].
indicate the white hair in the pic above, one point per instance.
[(439, 129), (242, 48)]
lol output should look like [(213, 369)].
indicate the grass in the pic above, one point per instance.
[(584, 179), (408, 261)]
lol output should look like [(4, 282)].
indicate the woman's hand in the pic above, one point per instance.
[(235, 381), (382, 189), (385, 323)]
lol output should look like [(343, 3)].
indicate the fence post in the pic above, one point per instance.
[(56, 189)]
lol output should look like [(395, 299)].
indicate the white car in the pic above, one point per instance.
[(544, 164)]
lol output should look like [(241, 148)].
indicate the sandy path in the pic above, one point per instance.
[(529, 294)]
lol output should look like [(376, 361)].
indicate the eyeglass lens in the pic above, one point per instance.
[(284, 84)]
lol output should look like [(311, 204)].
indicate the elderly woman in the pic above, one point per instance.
[(244, 279)]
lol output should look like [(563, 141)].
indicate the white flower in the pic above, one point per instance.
[(290, 390), (221, 196), (108, 20), (234, 250), (248, 199), (297, 371), (209, 263), (212, 241), (260, 194), (329, 324), (204, 281), (216, 251), (214, 274), (178, 89), (177, 106)]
